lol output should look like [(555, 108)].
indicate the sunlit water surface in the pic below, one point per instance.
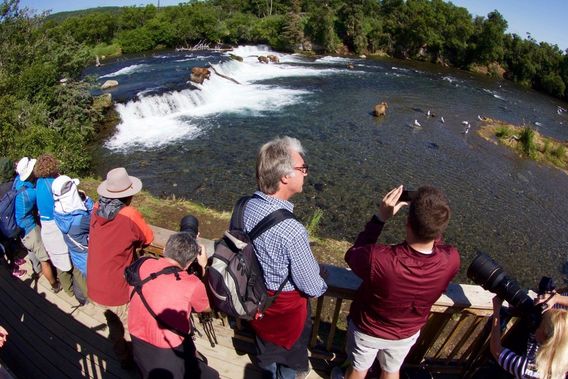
[(200, 141)]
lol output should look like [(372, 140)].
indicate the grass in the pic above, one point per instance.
[(166, 213), (103, 50), (314, 223), (527, 142)]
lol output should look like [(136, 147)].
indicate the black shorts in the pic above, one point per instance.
[(170, 363)]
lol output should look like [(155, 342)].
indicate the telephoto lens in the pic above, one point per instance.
[(487, 273)]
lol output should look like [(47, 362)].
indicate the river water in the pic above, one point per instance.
[(200, 142)]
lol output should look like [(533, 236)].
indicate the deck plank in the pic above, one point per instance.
[(64, 340)]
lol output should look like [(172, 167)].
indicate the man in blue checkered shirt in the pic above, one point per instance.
[(284, 254)]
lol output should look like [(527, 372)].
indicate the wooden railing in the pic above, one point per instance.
[(454, 340)]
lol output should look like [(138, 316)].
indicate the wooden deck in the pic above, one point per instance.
[(51, 336)]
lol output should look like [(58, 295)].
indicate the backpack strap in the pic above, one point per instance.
[(263, 225), (269, 221), (138, 289), (237, 219)]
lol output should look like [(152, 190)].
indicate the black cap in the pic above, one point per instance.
[(189, 224)]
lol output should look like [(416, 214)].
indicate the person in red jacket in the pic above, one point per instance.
[(400, 282), (116, 231)]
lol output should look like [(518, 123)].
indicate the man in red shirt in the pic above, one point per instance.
[(162, 346), (116, 230), (400, 282)]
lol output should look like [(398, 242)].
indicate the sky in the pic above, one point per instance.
[(542, 19)]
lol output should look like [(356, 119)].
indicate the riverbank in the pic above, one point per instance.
[(526, 142), (166, 213)]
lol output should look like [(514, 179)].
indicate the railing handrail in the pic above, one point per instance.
[(342, 282)]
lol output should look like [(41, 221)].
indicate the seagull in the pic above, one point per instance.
[(428, 113), (442, 119), (537, 123), (467, 129), (465, 122), (480, 118), (416, 123)]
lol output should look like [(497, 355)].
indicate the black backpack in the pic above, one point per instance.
[(132, 276), (234, 280), (8, 226)]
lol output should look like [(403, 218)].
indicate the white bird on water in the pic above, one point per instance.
[(465, 122), (480, 118), (416, 123), (467, 129), (442, 120)]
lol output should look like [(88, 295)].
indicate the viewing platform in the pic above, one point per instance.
[(51, 336)]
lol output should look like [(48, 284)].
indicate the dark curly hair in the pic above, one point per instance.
[(47, 166)]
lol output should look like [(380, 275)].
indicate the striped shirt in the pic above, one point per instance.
[(524, 366), (283, 251)]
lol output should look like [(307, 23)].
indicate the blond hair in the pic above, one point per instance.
[(552, 356)]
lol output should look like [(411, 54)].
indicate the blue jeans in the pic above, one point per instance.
[(278, 371)]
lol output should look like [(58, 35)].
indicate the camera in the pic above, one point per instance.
[(487, 273), (407, 195)]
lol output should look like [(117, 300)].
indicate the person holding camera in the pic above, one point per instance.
[(546, 356), (400, 282), (159, 315)]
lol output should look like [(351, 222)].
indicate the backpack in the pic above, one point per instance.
[(8, 226), (234, 280), (132, 276)]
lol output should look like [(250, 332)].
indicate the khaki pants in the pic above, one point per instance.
[(117, 322)]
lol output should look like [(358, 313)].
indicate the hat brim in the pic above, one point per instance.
[(29, 169), (130, 191)]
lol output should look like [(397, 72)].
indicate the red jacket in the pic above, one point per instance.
[(399, 285), (112, 243)]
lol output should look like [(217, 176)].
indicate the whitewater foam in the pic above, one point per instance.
[(126, 70)]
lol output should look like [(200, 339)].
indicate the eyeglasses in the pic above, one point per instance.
[(303, 169)]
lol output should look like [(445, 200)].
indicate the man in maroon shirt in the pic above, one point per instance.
[(400, 282)]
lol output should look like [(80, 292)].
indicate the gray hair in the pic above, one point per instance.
[(274, 160), (182, 248)]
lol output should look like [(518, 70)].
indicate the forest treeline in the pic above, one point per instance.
[(44, 106), (428, 30)]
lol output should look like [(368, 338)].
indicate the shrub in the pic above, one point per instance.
[(527, 141)]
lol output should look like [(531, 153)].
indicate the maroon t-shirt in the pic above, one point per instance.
[(399, 284)]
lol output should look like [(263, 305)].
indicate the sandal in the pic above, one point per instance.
[(17, 273)]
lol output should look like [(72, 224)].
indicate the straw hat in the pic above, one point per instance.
[(25, 167), (119, 184)]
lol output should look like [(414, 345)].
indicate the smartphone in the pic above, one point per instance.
[(407, 195)]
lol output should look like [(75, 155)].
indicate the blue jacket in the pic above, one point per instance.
[(25, 205), (44, 198), (75, 229)]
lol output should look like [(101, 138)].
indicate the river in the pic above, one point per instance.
[(200, 142)]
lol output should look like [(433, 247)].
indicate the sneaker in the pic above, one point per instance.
[(56, 288), (17, 273), (19, 261)]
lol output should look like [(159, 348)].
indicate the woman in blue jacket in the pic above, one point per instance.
[(46, 170), (72, 214)]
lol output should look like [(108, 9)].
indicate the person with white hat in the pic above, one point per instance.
[(25, 208), (72, 215), (117, 229)]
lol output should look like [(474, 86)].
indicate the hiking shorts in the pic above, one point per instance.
[(33, 243), (362, 349)]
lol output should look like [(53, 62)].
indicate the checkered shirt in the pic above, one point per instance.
[(283, 251)]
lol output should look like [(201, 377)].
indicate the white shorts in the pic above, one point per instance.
[(362, 349)]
